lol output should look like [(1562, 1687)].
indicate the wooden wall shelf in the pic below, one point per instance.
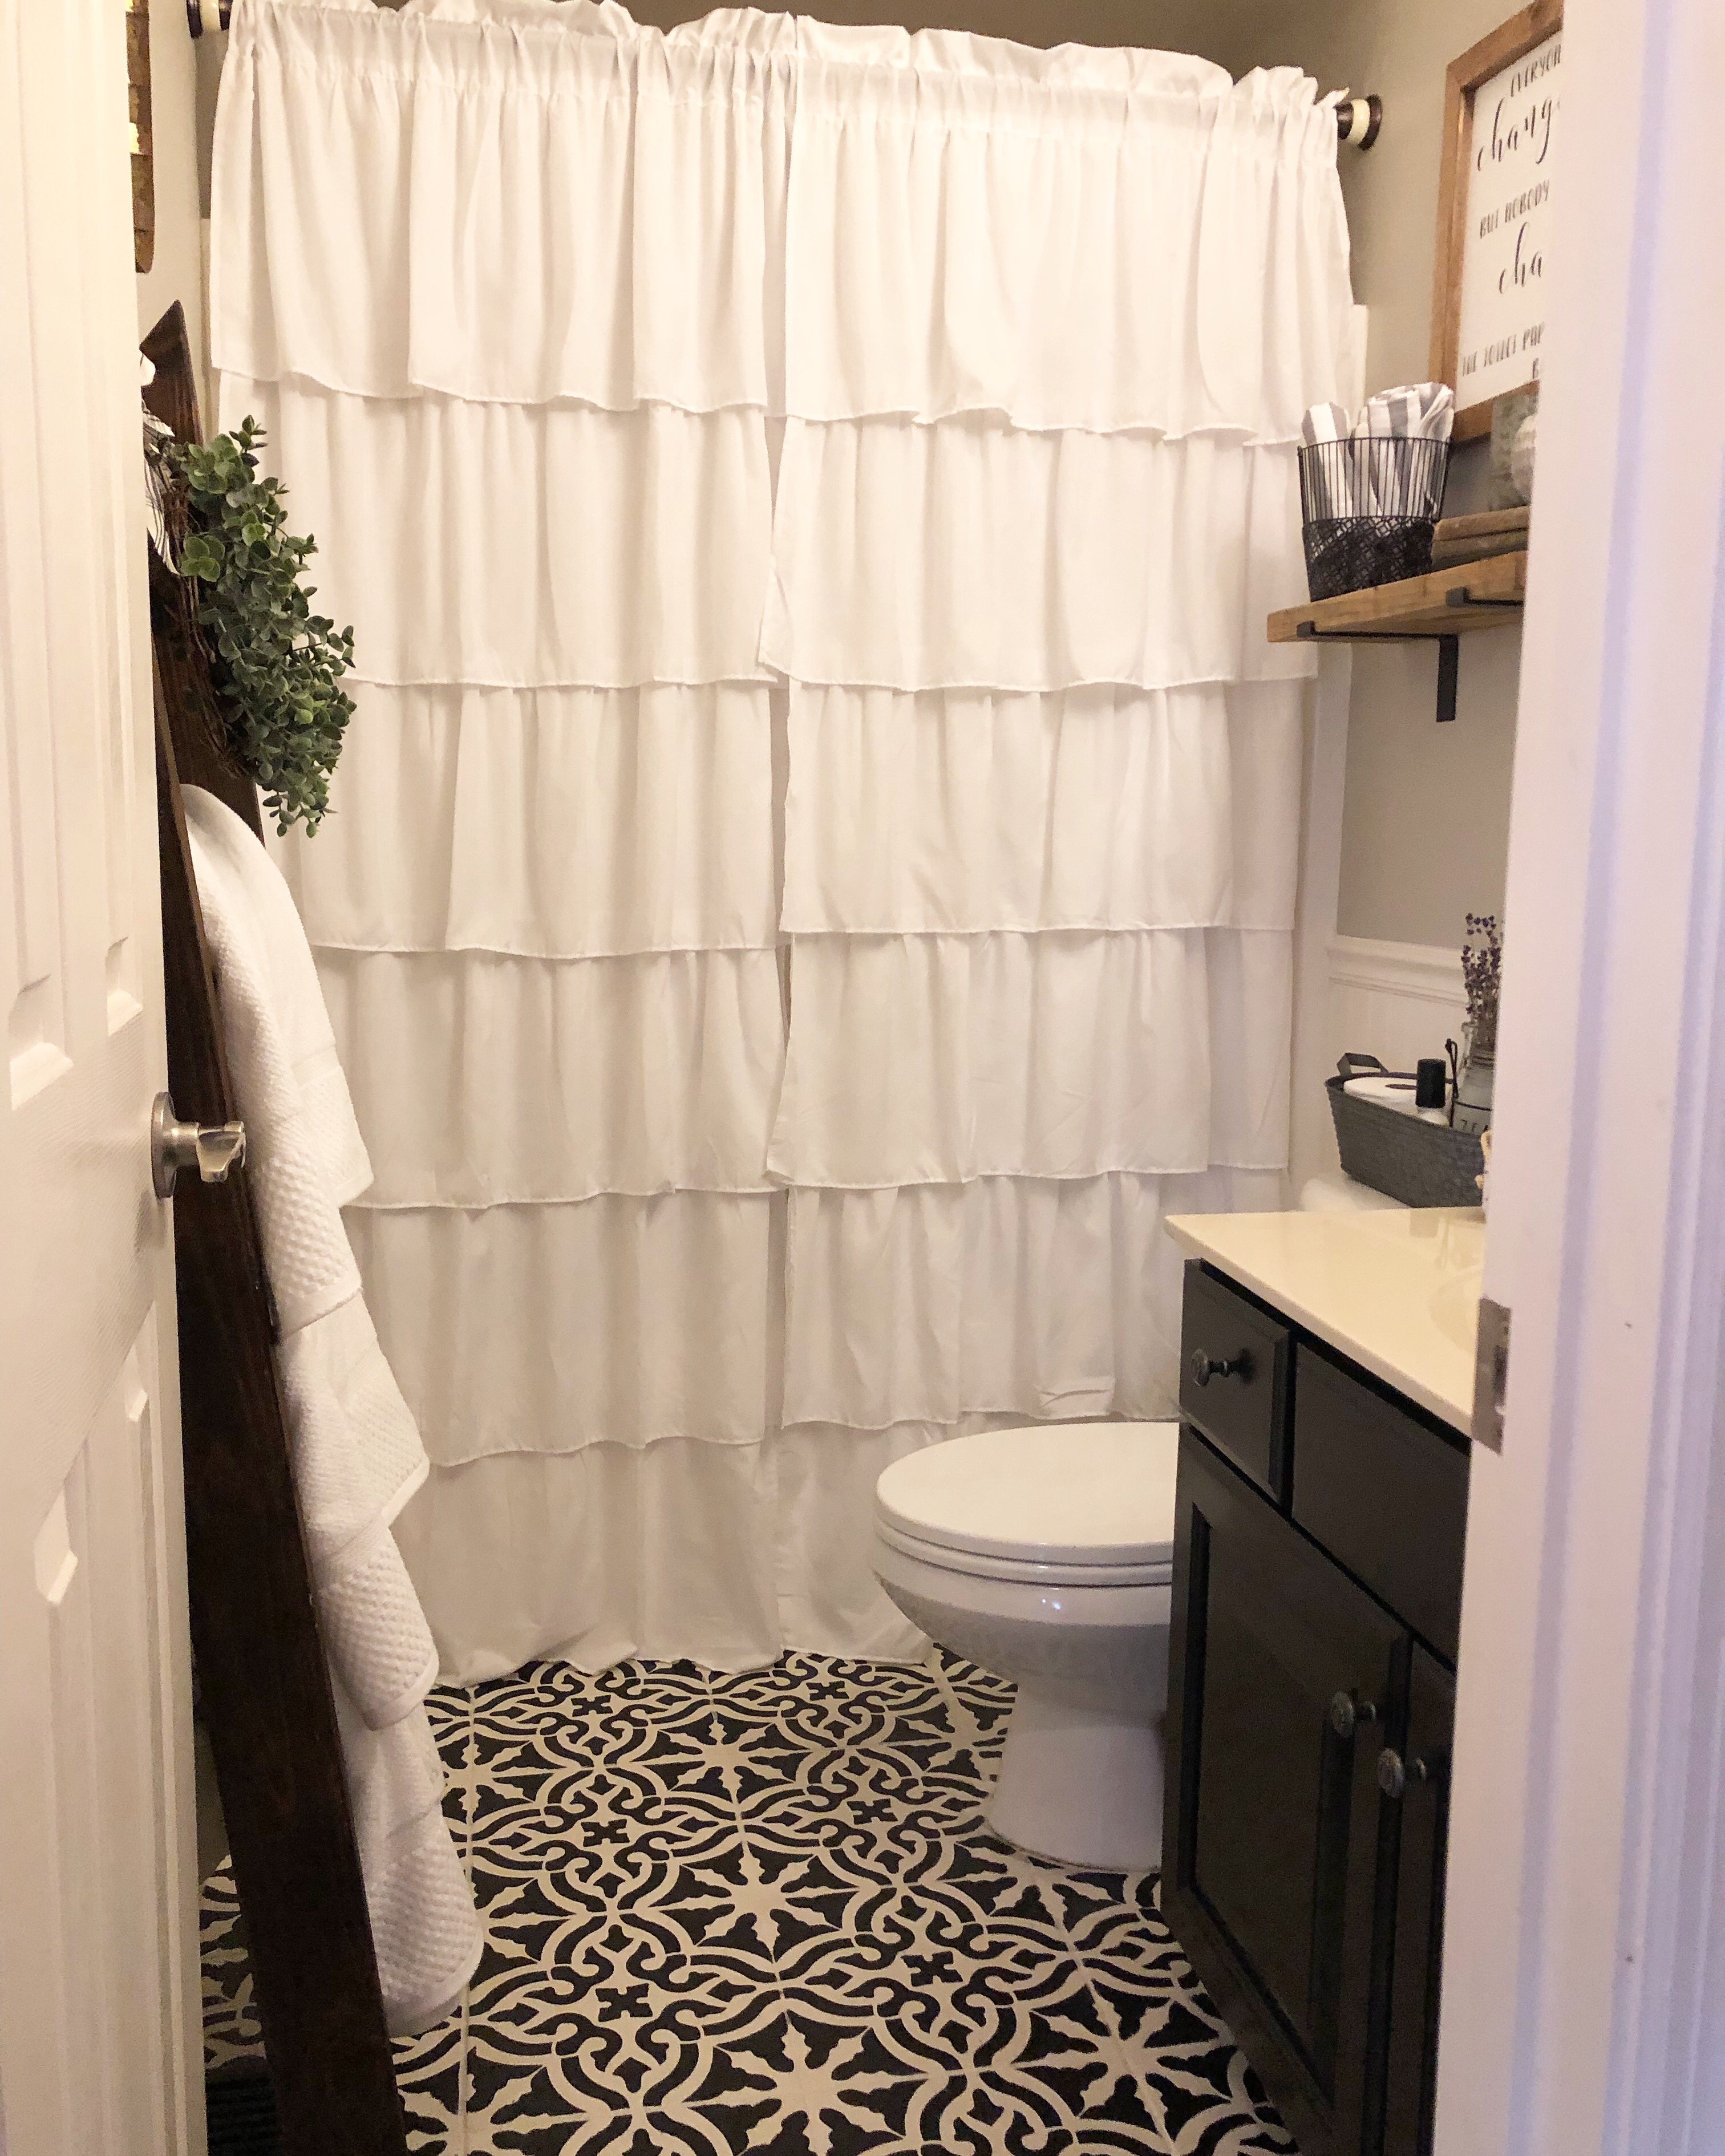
[(1472, 595), (1439, 608)]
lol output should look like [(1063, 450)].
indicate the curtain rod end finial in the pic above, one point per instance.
[(1359, 119)]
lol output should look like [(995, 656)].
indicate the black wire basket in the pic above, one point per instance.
[(1369, 505)]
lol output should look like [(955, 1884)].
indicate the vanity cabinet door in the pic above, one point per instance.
[(1286, 1677), (1424, 1802)]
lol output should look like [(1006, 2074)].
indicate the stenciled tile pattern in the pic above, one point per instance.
[(763, 1913)]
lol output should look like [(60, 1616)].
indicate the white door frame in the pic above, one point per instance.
[(1584, 1953)]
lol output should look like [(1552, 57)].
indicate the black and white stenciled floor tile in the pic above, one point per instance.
[(763, 1912), (428, 2067)]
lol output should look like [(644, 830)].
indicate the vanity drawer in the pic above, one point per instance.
[(1384, 1493), (1233, 1378)]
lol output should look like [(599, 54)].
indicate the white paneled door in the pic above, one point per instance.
[(98, 1970)]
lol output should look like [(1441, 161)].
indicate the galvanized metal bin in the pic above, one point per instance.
[(1405, 1157)]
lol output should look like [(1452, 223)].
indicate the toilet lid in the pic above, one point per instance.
[(1075, 1492)]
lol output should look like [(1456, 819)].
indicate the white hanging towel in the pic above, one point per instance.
[(356, 1453)]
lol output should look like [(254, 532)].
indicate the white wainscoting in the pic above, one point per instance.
[(1396, 1001)]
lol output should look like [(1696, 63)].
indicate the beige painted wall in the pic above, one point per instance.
[(1426, 813), (1425, 827), (178, 271)]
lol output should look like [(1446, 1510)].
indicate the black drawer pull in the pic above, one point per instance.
[(1347, 1714), (1204, 1366)]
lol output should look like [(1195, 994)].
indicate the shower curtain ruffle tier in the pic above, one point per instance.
[(811, 880)]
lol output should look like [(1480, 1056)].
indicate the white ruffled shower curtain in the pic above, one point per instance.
[(810, 882)]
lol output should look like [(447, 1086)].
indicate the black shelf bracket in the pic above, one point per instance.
[(1448, 641), (1464, 601), (1449, 653), (1448, 673), (1450, 647)]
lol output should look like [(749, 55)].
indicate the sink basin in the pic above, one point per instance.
[(1456, 1308)]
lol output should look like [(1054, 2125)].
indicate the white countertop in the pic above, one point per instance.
[(1397, 1292)]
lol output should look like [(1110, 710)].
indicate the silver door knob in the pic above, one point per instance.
[(211, 1148)]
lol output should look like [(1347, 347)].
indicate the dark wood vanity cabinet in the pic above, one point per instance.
[(1309, 1701)]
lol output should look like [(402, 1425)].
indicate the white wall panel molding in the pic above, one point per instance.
[(1416, 972)]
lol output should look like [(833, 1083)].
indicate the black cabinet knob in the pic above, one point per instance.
[(1347, 1714), (1204, 1366), (1394, 1772)]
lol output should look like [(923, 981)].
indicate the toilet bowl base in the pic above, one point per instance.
[(1079, 1781)]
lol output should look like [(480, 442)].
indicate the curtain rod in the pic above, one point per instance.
[(1358, 119)]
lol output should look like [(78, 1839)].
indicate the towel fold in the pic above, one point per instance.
[(303, 1019), (1326, 422), (1358, 476), (1426, 409), (356, 1453)]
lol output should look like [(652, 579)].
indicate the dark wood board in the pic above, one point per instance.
[(263, 1683)]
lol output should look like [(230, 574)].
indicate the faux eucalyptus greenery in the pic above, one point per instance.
[(276, 666)]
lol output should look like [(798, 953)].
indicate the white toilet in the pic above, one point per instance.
[(1045, 1554)]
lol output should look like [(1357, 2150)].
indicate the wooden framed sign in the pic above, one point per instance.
[(143, 153), (1494, 213)]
